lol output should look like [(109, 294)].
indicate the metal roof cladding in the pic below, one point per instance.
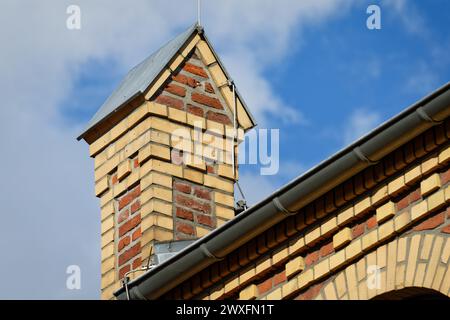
[(141, 77)]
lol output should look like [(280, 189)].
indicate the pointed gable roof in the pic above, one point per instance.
[(141, 77)]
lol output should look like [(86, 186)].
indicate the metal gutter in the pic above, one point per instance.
[(287, 200)]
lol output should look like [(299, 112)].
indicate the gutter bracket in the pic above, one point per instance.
[(276, 202), (208, 253), (424, 116), (362, 156)]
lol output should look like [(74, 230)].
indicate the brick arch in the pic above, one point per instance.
[(419, 260)]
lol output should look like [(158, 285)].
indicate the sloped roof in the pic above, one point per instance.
[(142, 76)]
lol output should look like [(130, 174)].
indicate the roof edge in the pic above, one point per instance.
[(421, 116)]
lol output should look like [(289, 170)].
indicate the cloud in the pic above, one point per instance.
[(51, 218), (360, 122), (408, 15)]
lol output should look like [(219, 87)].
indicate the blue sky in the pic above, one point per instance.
[(309, 68)]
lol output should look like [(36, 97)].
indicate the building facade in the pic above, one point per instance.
[(370, 222)]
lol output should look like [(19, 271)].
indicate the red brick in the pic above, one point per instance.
[(371, 222), (206, 100), (114, 179), (202, 193), (135, 206), (199, 71), (448, 212), (185, 228), (129, 254), (184, 214), (358, 230), (218, 117), (415, 195), (311, 293), (326, 249), (210, 169), (312, 258), (136, 162), (176, 90), (265, 286), (403, 203), (279, 278), (170, 102), (181, 78), (123, 215), (195, 110), (129, 225), (205, 220), (431, 223), (137, 263), (193, 204), (123, 243), (129, 197), (136, 234), (124, 270), (446, 229), (182, 187), (445, 176), (209, 88)]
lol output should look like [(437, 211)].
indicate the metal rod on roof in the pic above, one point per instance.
[(199, 4), (234, 129)]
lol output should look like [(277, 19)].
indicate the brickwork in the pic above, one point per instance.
[(404, 194)]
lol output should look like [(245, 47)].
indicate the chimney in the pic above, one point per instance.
[(164, 155)]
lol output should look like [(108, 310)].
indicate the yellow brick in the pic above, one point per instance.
[(275, 295), (385, 212), (341, 286), (108, 279), (106, 197), (205, 53), (225, 213), (322, 268), (153, 151), (196, 121), (402, 221), (369, 240), (167, 168), (446, 252), (396, 186), (386, 230), (361, 272), (295, 245), (157, 179), (164, 222), (436, 200), (353, 249), (218, 75), (107, 210), (177, 115), (433, 262), (430, 184), (123, 170), (216, 183), (163, 235), (225, 199), (412, 260), (289, 287), (158, 206), (108, 265), (156, 108), (312, 236), (193, 175), (148, 221), (295, 266), (247, 275), (249, 293), (350, 273), (107, 251), (330, 292), (337, 259), (342, 238), (160, 137), (264, 265), (429, 165), (447, 193), (305, 278), (418, 210), (380, 195), (345, 216), (329, 226), (201, 232), (217, 293), (215, 127), (279, 255), (101, 186), (413, 175), (156, 192), (362, 206), (225, 171), (426, 246), (107, 224), (196, 162), (444, 156), (231, 285)]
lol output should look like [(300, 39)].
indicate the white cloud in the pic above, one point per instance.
[(360, 122), (51, 216)]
